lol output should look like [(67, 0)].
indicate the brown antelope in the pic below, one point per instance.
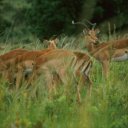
[(8, 57), (18, 65), (12, 74), (58, 62), (32, 55), (110, 51), (116, 50)]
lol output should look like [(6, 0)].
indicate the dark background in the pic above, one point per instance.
[(22, 19)]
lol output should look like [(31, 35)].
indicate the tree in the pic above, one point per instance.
[(54, 17), (13, 18)]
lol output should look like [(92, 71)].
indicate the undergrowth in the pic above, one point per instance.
[(32, 108)]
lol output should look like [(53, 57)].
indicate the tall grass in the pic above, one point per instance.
[(106, 108)]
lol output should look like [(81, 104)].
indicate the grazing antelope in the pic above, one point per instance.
[(11, 72), (22, 71), (5, 58), (55, 64), (105, 52), (32, 55), (14, 68)]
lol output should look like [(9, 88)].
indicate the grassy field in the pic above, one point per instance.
[(106, 108)]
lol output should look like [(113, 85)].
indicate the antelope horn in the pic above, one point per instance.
[(93, 24), (81, 24)]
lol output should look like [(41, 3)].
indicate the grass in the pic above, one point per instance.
[(106, 108)]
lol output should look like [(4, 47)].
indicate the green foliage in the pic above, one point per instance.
[(45, 18), (106, 108), (13, 19), (113, 12), (53, 17)]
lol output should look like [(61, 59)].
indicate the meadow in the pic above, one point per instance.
[(106, 108)]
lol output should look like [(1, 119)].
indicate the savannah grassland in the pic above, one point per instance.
[(106, 108)]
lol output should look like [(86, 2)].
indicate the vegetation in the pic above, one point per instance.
[(25, 23), (106, 108), (45, 18)]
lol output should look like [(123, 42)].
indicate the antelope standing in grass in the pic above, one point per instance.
[(106, 52), (17, 62), (116, 50), (31, 57), (58, 62)]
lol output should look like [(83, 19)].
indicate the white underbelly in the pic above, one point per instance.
[(121, 58)]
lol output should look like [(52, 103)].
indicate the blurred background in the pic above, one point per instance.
[(24, 19)]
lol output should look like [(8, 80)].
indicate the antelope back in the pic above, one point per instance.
[(12, 54), (77, 61)]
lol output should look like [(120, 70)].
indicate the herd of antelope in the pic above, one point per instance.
[(24, 66)]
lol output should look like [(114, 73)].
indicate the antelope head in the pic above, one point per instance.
[(52, 44), (90, 35)]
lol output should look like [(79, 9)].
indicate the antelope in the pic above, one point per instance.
[(32, 55), (116, 50), (106, 52), (18, 66), (12, 74), (8, 57), (57, 63)]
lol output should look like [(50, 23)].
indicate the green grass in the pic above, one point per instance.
[(106, 108)]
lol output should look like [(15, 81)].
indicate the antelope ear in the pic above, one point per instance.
[(97, 31)]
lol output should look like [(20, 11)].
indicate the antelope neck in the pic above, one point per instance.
[(91, 48)]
